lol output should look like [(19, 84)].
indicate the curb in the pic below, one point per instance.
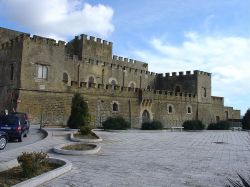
[(8, 165), (59, 150), (72, 138), (40, 179)]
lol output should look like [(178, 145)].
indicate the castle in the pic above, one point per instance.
[(40, 76)]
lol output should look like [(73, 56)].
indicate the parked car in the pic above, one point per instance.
[(22, 116), (16, 127), (3, 139)]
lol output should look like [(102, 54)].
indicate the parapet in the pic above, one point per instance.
[(187, 73), (93, 39), (130, 63)]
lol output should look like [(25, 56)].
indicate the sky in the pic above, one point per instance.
[(171, 36)]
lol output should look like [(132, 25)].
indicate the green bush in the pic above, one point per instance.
[(79, 112), (193, 125), (115, 123), (31, 163), (221, 125), (153, 125), (246, 120), (85, 130), (243, 182)]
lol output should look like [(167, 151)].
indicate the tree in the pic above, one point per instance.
[(79, 112), (246, 120)]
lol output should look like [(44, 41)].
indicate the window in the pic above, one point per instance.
[(115, 107), (12, 72), (65, 78), (204, 92), (189, 110), (170, 108), (42, 72)]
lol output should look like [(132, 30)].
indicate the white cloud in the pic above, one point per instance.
[(60, 18), (227, 58)]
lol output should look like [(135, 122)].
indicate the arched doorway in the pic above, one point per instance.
[(145, 116), (91, 81)]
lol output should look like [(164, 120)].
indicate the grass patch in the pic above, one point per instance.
[(15, 175), (79, 147), (88, 136)]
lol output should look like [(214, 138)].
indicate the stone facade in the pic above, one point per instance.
[(39, 76)]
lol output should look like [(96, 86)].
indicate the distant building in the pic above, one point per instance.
[(39, 75)]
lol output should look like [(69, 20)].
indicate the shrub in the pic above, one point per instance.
[(246, 120), (221, 125), (85, 130), (32, 162), (244, 182), (116, 123), (193, 125), (79, 112), (153, 125)]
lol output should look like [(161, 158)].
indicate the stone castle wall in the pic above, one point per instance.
[(86, 65)]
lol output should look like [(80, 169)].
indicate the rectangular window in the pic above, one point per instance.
[(42, 72), (12, 72)]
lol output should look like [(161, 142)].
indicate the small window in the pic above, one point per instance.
[(42, 72), (65, 78), (204, 92), (12, 72), (115, 107), (189, 110), (170, 108)]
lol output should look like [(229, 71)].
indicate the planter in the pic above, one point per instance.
[(59, 149), (40, 179)]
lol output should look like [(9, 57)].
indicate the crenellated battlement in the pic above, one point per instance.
[(217, 100), (34, 38), (93, 39), (146, 93), (182, 73), (130, 63)]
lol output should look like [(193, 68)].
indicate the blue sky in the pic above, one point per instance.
[(179, 35)]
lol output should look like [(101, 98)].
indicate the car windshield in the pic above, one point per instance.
[(9, 120)]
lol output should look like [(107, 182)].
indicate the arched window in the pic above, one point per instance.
[(65, 77), (189, 110), (170, 108), (113, 82), (115, 107), (91, 81), (145, 116), (177, 89), (131, 85)]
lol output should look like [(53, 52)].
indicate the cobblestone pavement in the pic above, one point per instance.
[(161, 158)]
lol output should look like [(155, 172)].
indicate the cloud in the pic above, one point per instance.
[(59, 18), (227, 58)]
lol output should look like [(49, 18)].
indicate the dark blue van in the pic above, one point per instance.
[(15, 127)]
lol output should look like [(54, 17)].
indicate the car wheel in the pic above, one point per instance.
[(26, 133), (20, 138), (3, 142)]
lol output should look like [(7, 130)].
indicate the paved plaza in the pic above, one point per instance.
[(161, 158)]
